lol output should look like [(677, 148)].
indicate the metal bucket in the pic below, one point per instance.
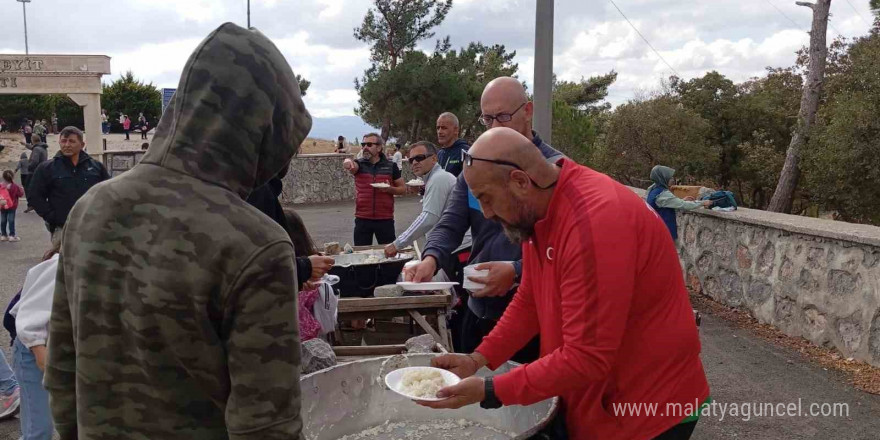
[(351, 398)]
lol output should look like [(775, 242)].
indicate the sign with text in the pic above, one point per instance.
[(167, 94)]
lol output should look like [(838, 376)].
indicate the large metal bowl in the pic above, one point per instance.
[(350, 398)]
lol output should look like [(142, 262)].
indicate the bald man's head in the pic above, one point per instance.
[(448, 130), (505, 96), (511, 179)]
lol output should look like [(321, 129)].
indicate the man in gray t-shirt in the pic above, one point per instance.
[(438, 185)]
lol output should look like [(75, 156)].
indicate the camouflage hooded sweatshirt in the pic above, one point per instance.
[(175, 309)]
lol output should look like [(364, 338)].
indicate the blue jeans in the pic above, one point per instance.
[(7, 216), (7, 378), (36, 419)]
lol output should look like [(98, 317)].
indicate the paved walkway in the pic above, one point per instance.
[(741, 368)]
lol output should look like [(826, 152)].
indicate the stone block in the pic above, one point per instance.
[(743, 257), (123, 163), (317, 355), (842, 283), (420, 344), (332, 248), (389, 291), (850, 330)]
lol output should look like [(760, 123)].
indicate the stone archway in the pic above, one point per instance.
[(78, 76)]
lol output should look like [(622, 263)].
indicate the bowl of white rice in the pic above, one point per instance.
[(420, 383)]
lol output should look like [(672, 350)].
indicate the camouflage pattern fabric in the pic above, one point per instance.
[(175, 307)]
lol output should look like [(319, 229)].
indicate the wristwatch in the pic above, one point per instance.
[(490, 401)]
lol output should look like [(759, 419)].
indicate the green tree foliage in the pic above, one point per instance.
[(16, 108), (393, 27), (130, 96), (578, 108), (841, 165), (413, 94), (641, 134), (875, 7), (303, 84)]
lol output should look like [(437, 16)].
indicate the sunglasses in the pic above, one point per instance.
[(500, 117), (468, 160), (419, 158), (370, 144)]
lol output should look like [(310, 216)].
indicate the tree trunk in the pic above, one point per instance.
[(788, 178)]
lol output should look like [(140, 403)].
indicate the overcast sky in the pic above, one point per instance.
[(153, 38)]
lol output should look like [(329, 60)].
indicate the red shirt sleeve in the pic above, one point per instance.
[(517, 327), (597, 266)]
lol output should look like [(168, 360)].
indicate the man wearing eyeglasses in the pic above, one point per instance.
[(451, 145), (504, 104), (377, 180), (603, 288), (438, 185)]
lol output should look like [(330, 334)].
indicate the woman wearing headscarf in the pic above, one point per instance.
[(664, 202)]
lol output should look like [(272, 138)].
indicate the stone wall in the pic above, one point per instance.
[(320, 178), (118, 162), (313, 178), (819, 279)]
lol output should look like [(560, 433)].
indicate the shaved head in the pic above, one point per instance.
[(511, 179), (507, 96)]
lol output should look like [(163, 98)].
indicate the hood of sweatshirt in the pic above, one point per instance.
[(237, 118)]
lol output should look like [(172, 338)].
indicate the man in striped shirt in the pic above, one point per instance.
[(438, 186)]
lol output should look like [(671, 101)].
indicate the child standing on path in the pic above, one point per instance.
[(9, 195)]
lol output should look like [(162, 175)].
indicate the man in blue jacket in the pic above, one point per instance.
[(451, 146), (504, 103)]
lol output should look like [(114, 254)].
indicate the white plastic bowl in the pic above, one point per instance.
[(393, 379)]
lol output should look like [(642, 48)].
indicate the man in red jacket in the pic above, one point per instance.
[(601, 285), (376, 181)]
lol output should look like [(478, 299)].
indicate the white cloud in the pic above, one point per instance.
[(739, 39)]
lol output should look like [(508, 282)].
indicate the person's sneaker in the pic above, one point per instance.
[(9, 404), (28, 210), (14, 239), (3, 238)]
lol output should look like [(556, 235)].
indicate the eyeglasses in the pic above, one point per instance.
[(419, 158), (500, 117), (370, 144), (468, 160)]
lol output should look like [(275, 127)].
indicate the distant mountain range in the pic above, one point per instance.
[(332, 128)]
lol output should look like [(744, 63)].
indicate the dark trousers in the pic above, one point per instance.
[(474, 329), (27, 137), (25, 180), (681, 431), (126, 134), (364, 230), (43, 138), (143, 133)]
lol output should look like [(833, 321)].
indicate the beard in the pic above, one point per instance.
[(523, 228)]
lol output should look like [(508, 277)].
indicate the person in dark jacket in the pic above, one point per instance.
[(504, 104), (665, 203), (450, 144), (57, 184), (24, 169), (265, 198), (39, 154)]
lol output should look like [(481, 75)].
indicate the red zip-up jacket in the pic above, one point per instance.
[(15, 192), (603, 287)]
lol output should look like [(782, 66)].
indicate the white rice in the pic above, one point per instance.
[(421, 383)]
